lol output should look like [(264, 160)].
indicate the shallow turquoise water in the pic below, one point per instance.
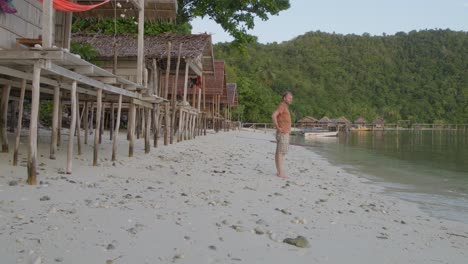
[(426, 167)]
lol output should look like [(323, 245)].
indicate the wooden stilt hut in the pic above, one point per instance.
[(307, 122), (169, 59), (36, 65)]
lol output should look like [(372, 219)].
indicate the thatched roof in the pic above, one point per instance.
[(343, 120), (232, 96), (154, 9), (216, 84), (195, 47), (324, 119), (360, 120), (307, 119)]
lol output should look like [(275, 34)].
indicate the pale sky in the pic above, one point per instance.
[(351, 17)]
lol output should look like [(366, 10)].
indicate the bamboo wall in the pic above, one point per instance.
[(26, 23)]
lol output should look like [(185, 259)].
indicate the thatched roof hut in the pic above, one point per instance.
[(324, 120), (342, 120), (196, 49), (307, 119), (154, 9), (360, 121)]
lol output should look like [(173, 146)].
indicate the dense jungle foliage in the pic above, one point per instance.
[(417, 76)]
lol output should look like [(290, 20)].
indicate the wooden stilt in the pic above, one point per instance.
[(59, 127), (132, 127), (78, 123), (166, 123), (155, 78), (98, 123), (143, 122), (55, 121), (86, 124), (156, 123), (20, 121), (179, 130), (174, 95), (168, 70), (148, 131), (112, 123), (138, 122), (3, 116), (35, 97), (117, 127), (91, 121), (101, 126), (71, 131)]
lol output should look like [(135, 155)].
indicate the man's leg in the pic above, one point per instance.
[(279, 164)]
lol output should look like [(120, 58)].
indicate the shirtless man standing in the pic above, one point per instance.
[(282, 121)]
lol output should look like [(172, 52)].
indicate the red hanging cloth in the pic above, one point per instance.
[(67, 6)]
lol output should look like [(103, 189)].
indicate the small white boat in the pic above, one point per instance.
[(320, 134)]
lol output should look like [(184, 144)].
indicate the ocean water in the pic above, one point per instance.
[(429, 168)]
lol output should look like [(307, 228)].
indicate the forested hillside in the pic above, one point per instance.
[(418, 76)]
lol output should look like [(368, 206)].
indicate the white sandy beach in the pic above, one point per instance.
[(214, 199)]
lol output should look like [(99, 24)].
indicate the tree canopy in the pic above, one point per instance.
[(235, 17)]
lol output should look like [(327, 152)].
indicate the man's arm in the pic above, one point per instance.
[(274, 117)]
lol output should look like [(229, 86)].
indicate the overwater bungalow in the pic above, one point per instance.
[(35, 65), (360, 124), (378, 124), (307, 122), (325, 122)]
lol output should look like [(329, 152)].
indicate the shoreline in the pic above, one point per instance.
[(445, 202), (206, 201)]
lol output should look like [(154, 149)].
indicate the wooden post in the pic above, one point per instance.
[(138, 122), (141, 34), (155, 78), (174, 95), (78, 124), (199, 99), (143, 122), (55, 122), (91, 121), (166, 123), (156, 113), (98, 123), (35, 97), (59, 128), (117, 127), (86, 124), (71, 131), (47, 23), (148, 130), (101, 123), (112, 123), (186, 81), (3, 117), (204, 92), (132, 113), (168, 69), (179, 130), (20, 120)]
